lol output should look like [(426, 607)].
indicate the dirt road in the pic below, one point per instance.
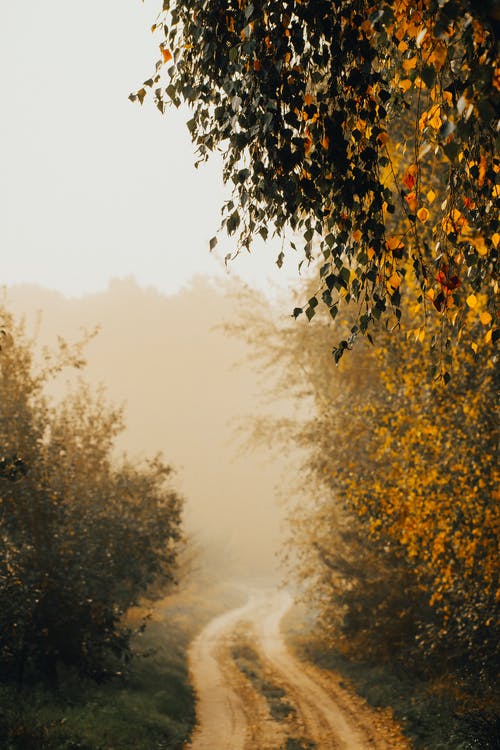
[(253, 694)]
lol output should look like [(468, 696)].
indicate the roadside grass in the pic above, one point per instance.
[(152, 707), (434, 715)]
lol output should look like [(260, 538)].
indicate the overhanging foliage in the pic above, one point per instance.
[(366, 129)]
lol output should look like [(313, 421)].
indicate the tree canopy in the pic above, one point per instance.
[(395, 530), (82, 537), (363, 132)]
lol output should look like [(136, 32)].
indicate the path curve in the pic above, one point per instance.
[(221, 722), (231, 715)]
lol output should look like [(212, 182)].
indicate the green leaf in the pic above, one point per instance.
[(451, 150), (310, 312), (428, 75)]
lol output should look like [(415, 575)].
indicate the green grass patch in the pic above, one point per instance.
[(292, 743), (152, 707), (249, 663)]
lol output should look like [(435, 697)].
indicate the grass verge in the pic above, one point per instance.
[(152, 708), (434, 715)]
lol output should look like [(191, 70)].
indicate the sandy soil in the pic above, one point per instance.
[(233, 715)]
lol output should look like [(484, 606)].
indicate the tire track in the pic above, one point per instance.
[(232, 715)]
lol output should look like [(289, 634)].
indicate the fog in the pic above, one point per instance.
[(186, 386)]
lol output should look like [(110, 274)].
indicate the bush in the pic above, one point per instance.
[(82, 539)]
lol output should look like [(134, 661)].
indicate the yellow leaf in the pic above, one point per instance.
[(474, 348), (488, 335), (486, 318), (431, 195), (410, 64), (435, 121), (393, 243), (472, 301), (356, 235), (423, 121), (405, 84), (480, 245), (394, 281), (495, 239), (423, 214), (411, 199)]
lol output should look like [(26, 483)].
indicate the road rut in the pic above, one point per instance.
[(233, 715)]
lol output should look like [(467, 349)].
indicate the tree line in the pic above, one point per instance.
[(84, 536)]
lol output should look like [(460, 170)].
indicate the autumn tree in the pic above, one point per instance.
[(82, 537), (364, 132), (367, 601), (395, 537), (430, 486)]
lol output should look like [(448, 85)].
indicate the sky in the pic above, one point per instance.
[(92, 186)]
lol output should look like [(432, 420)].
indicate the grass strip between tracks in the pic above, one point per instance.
[(281, 710)]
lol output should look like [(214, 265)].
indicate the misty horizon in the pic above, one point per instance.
[(188, 388)]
